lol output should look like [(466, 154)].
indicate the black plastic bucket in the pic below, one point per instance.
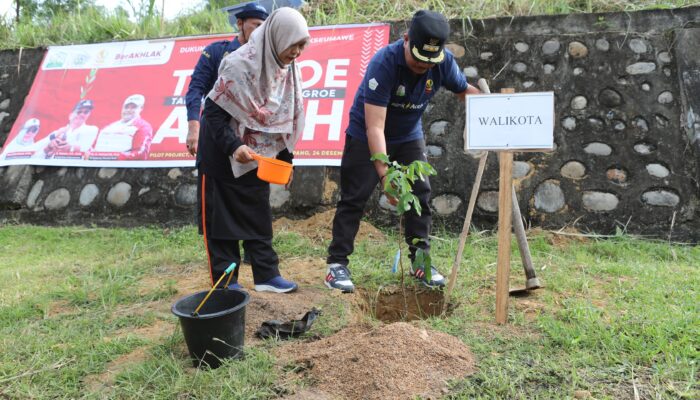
[(218, 331)]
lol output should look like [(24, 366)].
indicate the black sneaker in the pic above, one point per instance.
[(338, 277), (436, 278)]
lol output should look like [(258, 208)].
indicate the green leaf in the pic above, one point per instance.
[(381, 157), (423, 260), (400, 179)]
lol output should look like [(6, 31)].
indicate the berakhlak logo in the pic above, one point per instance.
[(429, 86)]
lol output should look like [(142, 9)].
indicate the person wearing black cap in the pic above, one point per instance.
[(251, 16), (76, 137), (386, 118), (23, 145)]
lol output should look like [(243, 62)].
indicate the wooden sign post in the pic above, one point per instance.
[(506, 123), (505, 211)]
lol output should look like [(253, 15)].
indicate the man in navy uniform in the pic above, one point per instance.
[(386, 118), (251, 16)]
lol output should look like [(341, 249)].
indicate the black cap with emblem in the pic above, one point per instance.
[(427, 35)]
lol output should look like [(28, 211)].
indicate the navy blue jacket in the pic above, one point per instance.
[(205, 74), (390, 83)]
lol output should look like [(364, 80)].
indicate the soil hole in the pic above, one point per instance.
[(388, 304)]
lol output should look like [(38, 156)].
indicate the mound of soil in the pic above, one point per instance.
[(320, 227), (394, 361)]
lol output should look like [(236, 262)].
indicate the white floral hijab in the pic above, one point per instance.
[(262, 95)]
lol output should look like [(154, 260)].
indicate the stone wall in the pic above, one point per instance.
[(627, 151)]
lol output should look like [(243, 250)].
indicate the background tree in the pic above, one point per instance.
[(28, 10), (219, 4)]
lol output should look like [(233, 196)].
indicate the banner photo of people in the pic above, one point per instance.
[(122, 104)]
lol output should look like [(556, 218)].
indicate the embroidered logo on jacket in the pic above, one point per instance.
[(373, 84)]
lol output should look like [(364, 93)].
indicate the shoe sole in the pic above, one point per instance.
[(426, 284), (328, 285), (268, 288)]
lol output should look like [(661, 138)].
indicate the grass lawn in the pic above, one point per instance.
[(618, 318)]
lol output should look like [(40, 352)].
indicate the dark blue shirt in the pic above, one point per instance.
[(390, 83), (205, 74)]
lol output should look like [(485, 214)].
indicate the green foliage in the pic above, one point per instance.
[(58, 22), (97, 25), (400, 179), (399, 185), (423, 260), (45, 10), (219, 4)]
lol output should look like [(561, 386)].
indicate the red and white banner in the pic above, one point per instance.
[(82, 95)]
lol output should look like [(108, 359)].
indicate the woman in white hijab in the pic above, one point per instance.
[(256, 106)]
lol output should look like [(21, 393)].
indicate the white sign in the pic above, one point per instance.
[(515, 121)]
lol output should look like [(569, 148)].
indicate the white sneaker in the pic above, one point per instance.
[(338, 277)]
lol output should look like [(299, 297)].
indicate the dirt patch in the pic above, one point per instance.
[(59, 307), (105, 380), (282, 307), (308, 273), (184, 280), (394, 361), (309, 394), (319, 227), (388, 304), (562, 238), (154, 331), (530, 308)]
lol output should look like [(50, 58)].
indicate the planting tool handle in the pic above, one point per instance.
[(397, 257), (228, 271), (483, 85), (230, 268), (519, 230), (465, 228)]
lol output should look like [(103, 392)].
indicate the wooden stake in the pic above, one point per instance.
[(483, 85), (465, 229), (505, 223), (505, 218)]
